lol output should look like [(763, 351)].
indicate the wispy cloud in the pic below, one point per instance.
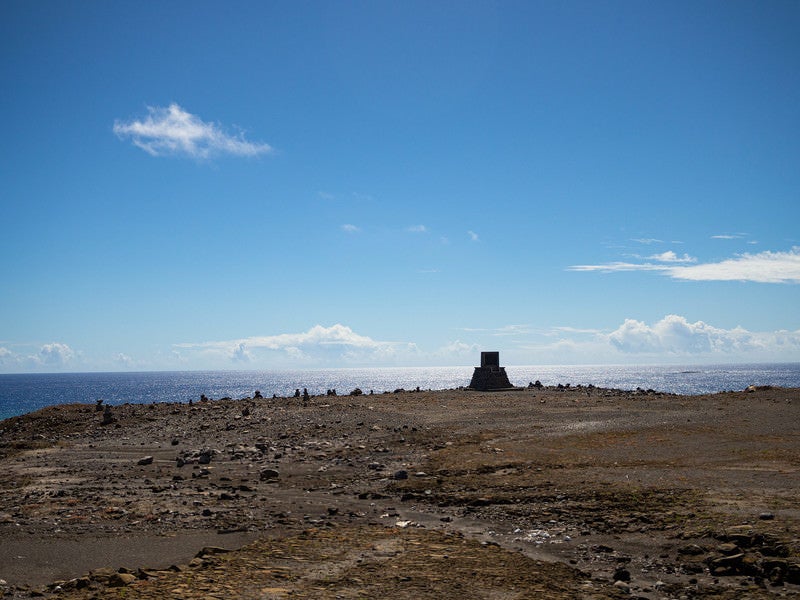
[(473, 236), (417, 229), (670, 257), (764, 267), (575, 330), (647, 241), (728, 236), (505, 330), (172, 131), (617, 266), (458, 349), (350, 228)]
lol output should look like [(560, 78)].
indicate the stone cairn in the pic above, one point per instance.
[(490, 375)]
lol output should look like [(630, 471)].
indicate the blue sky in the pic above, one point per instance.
[(258, 185)]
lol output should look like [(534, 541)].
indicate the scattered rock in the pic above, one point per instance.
[(268, 474), (205, 456), (121, 579), (691, 550), (728, 549), (757, 388), (622, 574), (793, 573), (622, 586), (210, 551), (147, 460)]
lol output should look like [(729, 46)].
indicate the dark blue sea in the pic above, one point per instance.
[(24, 393)]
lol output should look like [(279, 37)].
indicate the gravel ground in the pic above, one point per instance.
[(578, 492)]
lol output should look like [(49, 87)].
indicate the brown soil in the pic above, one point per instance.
[(557, 493)]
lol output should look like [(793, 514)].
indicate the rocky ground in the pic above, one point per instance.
[(570, 492)]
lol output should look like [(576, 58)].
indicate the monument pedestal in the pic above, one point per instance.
[(490, 375)]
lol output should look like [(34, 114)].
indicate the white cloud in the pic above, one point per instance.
[(647, 241), (613, 267), (123, 359), (457, 350), (173, 131), (55, 354), (417, 229), (6, 356), (574, 330), (319, 344), (501, 331), (764, 267), (728, 236), (676, 335), (350, 228), (240, 353), (512, 330), (473, 236), (670, 257), (671, 339), (48, 356)]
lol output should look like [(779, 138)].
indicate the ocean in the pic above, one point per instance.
[(23, 393)]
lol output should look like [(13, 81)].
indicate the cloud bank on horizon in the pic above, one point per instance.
[(673, 337), (337, 343), (172, 131)]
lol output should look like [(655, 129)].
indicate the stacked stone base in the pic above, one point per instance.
[(490, 378)]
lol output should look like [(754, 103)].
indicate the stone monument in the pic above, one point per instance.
[(490, 375)]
